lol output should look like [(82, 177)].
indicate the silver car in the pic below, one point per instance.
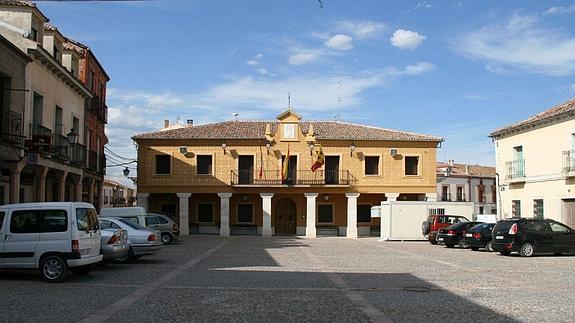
[(114, 246), (170, 231), (142, 240)]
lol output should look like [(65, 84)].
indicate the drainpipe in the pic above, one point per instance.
[(498, 197)]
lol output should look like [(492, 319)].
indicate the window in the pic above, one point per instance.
[(460, 195), (445, 193), (76, 126), (325, 213), (372, 165), (205, 212), (162, 220), (25, 221), (34, 34), (558, 227), (411, 165), (55, 221), (516, 208), (493, 194), (163, 166), (55, 52), (364, 213), (245, 213), (538, 209), (1, 219), (152, 220), (86, 219), (204, 165), (481, 194), (481, 210)]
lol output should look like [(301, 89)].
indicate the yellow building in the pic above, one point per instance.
[(232, 178)]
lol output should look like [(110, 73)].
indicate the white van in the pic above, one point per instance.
[(50, 236), (136, 214)]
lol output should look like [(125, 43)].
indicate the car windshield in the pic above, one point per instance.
[(86, 219), (503, 225), (132, 224), (482, 226)]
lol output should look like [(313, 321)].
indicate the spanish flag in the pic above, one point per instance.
[(319, 161), (286, 166)]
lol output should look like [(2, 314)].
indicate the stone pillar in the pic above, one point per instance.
[(267, 214), (15, 171), (61, 178), (225, 214), (392, 196), (351, 215), (41, 174), (431, 197), (143, 200), (310, 215), (78, 186), (91, 184), (100, 189), (184, 213)]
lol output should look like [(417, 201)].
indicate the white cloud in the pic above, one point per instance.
[(258, 56), (522, 43), (423, 4), (415, 69), (406, 39), (252, 62), (339, 42), (360, 28), (303, 57), (554, 10), (262, 71), (474, 97)]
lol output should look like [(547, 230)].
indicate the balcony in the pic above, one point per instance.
[(300, 177), (12, 129), (77, 155), (515, 171), (60, 149), (569, 163), (41, 139)]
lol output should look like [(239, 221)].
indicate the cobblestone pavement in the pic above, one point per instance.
[(208, 278)]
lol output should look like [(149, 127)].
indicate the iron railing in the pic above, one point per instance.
[(300, 177), (12, 129), (568, 161), (60, 148), (515, 169), (77, 154)]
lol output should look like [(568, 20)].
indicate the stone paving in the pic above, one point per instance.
[(208, 278)]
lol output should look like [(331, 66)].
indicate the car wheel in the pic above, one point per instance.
[(463, 245), (166, 238), (527, 250), (82, 270), (489, 247), (449, 245), (474, 248), (433, 241), (53, 269)]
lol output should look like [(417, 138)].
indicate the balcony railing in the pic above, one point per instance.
[(569, 162), (12, 129), (77, 155), (300, 177), (41, 139), (515, 169), (60, 149)]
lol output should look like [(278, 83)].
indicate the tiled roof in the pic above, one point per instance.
[(23, 3), (47, 26), (464, 170), (560, 110), (324, 130)]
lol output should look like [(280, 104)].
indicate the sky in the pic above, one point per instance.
[(454, 69)]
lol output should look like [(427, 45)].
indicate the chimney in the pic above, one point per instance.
[(451, 162), (190, 123), (166, 123)]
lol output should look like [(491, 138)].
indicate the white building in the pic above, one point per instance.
[(535, 161)]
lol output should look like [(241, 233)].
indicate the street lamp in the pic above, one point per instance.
[(72, 137), (126, 172), (352, 148)]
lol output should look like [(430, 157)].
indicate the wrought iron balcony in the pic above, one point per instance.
[(300, 177), (12, 129), (60, 149), (515, 170), (77, 155), (569, 163)]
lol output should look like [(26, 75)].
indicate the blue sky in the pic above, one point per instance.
[(455, 69)]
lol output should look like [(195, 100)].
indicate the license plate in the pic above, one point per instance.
[(469, 235), (439, 239), (498, 237), (84, 251)]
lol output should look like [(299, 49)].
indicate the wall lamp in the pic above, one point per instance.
[(268, 145), (224, 147), (72, 137), (311, 146), (183, 150), (351, 149)]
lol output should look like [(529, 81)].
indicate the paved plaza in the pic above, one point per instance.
[(209, 278)]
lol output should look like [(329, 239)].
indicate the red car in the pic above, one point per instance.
[(431, 226)]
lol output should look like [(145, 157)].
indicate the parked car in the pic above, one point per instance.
[(142, 240), (532, 236), (169, 229), (52, 237), (431, 226), (453, 234), (479, 236), (114, 246)]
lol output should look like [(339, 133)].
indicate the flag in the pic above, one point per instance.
[(286, 166), (261, 173), (319, 161)]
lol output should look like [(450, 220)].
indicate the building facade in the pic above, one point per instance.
[(117, 195), (536, 165), (54, 157), (468, 183), (255, 177)]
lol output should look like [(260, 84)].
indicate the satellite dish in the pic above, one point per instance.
[(235, 114)]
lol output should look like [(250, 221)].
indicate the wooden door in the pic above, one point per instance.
[(246, 169), (285, 217), (331, 169)]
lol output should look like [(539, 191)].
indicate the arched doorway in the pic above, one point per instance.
[(285, 217)]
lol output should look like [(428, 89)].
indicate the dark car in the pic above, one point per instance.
[(453, 234), (531, 236), (479, 236), (431, 226)]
